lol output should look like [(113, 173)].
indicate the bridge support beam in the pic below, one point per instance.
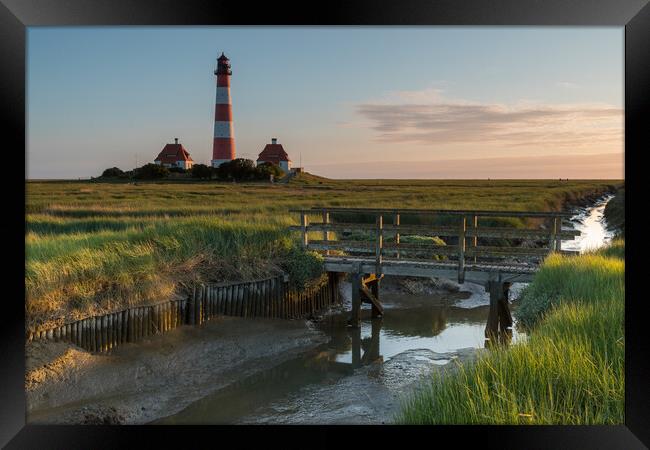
[(499, 323), (355, 316), (370, 294)]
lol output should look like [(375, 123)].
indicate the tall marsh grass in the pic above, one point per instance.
[(93, 247), (569, 371)]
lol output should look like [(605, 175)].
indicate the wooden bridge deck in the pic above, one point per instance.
[(474, 272)]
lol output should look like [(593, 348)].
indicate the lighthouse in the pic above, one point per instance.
[(223, 145)]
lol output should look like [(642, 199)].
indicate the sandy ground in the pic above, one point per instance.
[(141, 382)]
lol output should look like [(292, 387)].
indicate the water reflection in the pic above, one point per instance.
[(592, 226)]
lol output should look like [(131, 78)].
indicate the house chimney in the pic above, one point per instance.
[(175, 140), (274, 140)]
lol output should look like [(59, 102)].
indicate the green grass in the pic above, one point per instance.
[(615, 213), (569, 371), (93, 247)]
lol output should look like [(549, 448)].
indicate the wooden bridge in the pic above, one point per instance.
[(476, 246)]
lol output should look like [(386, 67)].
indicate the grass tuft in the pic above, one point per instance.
[(569, 371)]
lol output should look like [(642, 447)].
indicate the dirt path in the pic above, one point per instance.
[(141, 382)]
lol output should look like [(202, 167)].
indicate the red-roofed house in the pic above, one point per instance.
[(174, 155), (274, 153)]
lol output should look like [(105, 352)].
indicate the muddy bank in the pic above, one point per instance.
[(442, 291), (360, 376), (141, 382)]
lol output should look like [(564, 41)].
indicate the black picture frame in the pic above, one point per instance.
[(16, 15)]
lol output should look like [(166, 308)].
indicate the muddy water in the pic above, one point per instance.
[(360, 375)]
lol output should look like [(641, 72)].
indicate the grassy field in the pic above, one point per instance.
[(571, 369), (92, 247)]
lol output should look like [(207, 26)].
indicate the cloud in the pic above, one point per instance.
[(427, 117), (593, 166)]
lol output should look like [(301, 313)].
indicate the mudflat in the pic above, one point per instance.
[(141, 382)]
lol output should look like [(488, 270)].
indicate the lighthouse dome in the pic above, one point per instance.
[(223, 65)]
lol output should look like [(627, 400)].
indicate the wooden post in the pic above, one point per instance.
[(111, 334), (277, 292), (136, 324), (200, 302), (142, 322), (104, 328), (247, 300), (326, 233), (118, 328), (93, 334), (461, 249), (396, 223), (356, 347), (552, 240), (304, 222), (240, 300), (158, 318), (222, 300), (558, 231), (255, 295), (374, 288), (355, 317), (475, 238), (499, 321), (380, 243), (73, 333), (271, 297), (229, 300), (268, 310), (190, 307)]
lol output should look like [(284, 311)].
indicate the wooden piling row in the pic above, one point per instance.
[(270, 298)]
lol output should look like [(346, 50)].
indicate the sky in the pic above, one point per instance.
[(346, 102)]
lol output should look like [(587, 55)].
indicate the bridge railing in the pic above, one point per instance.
[(387, 238)]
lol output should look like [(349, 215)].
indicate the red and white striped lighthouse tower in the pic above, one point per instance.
[(223, 146)]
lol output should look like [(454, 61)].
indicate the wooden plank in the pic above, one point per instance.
[(372, 299), (474, 232), (379, 242), (552, 238), (387, 247), (461, 249), (240, 300), (326, 234), (511, 251), (460, 212), (304, 220), (104, 334), (396, 227), (423, 230), (430, 269), (355, 317)]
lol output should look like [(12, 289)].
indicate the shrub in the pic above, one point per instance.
[(301, 266), (113, 172), (265, 170), (201, 171), (151, 172), (238, 169), (177, 170)]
